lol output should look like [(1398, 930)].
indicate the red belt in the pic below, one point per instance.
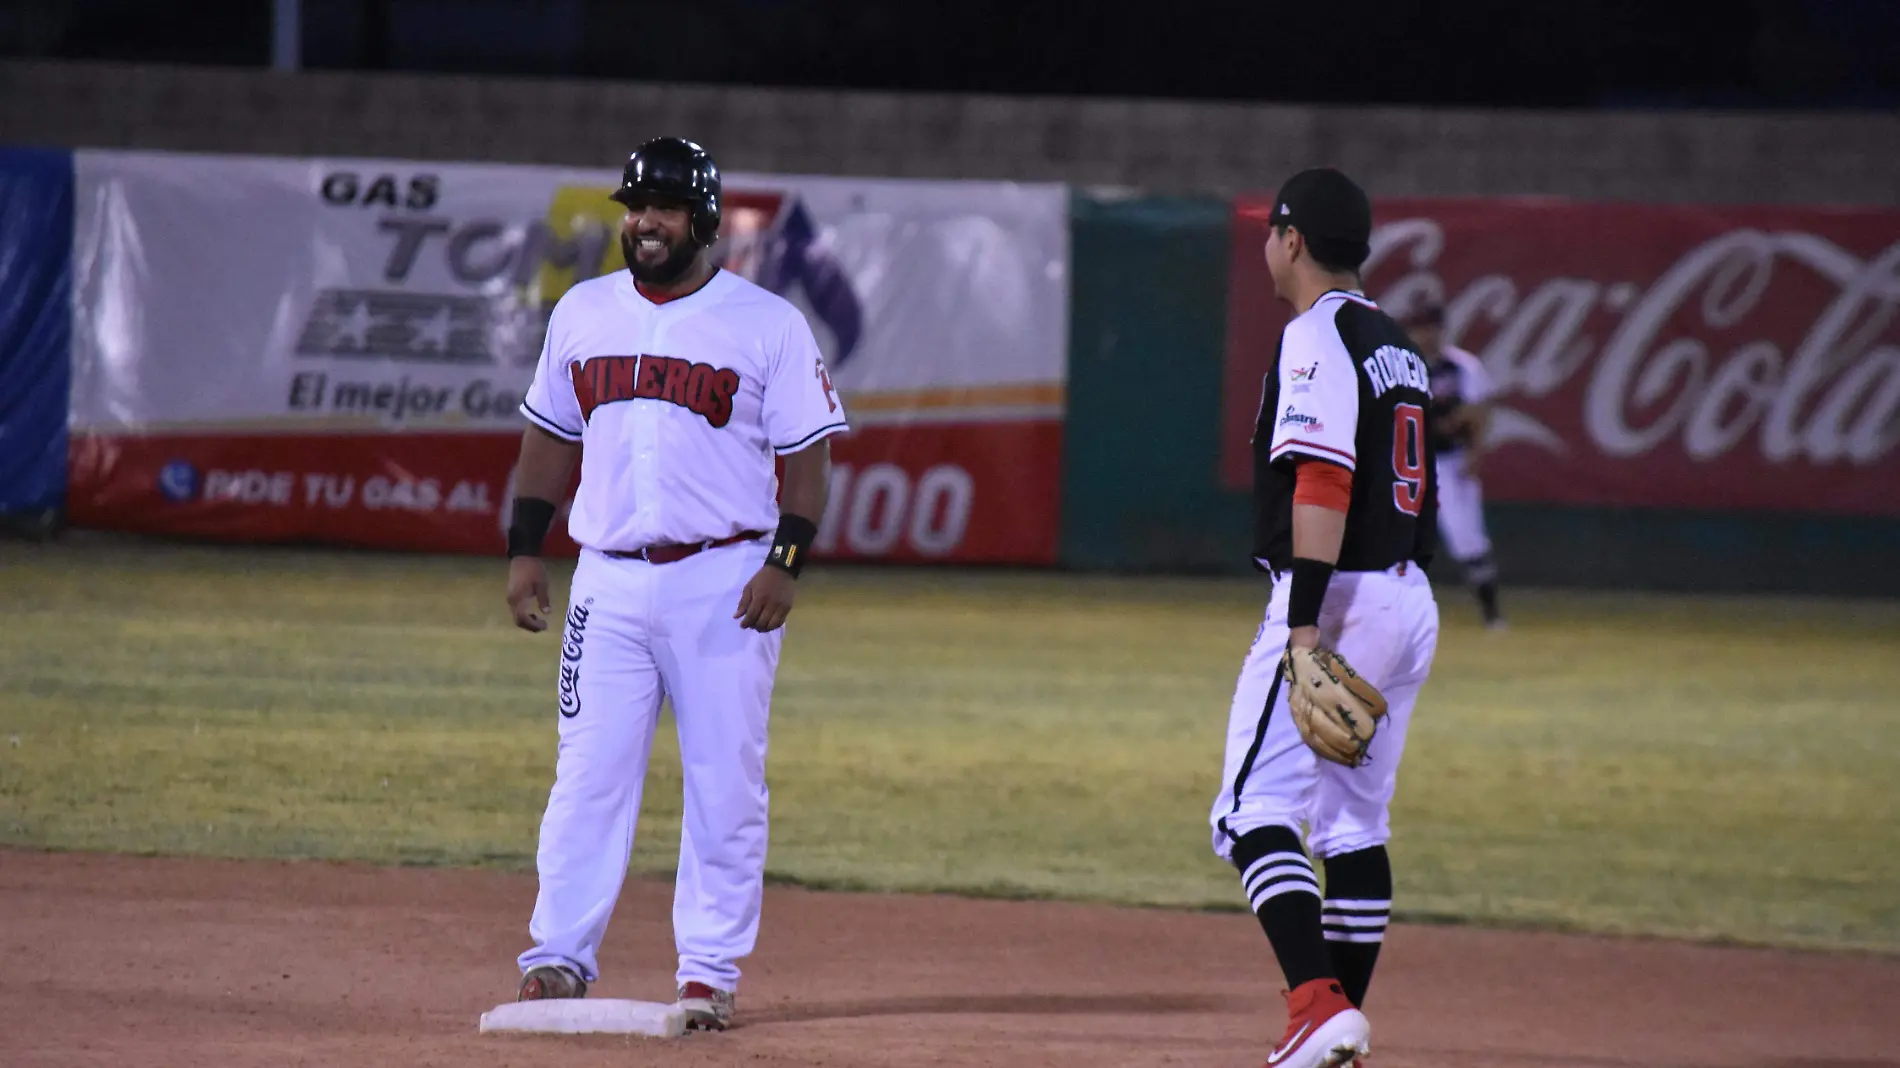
[(666, 554)]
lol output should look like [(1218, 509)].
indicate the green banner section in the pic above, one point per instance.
[(1147, 329), (1694, 551)]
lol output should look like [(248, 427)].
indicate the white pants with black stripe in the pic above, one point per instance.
[(1385, 623)]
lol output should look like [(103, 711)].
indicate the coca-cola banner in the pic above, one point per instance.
[(1668, 356), (335, 349)]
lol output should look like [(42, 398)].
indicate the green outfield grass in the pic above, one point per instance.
[(1708, 767)]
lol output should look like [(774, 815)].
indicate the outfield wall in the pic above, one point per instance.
[(1741, 435)]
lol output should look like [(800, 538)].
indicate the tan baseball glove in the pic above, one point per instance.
[(1336, 711)]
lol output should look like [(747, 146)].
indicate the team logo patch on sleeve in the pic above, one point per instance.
[(1302, 420), (702, 389)]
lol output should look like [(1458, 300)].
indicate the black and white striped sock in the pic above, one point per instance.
[(1283, 892), (1355, 919), (1278, 873), (1357, 909)]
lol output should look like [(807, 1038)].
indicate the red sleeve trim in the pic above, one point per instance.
[(1325, 484)]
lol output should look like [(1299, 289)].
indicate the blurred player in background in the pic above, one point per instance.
[(1461, 415)]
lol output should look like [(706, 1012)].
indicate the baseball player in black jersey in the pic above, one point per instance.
[(1461, 412), (1345, 497)]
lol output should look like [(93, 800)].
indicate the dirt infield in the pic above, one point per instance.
[(131, 962)]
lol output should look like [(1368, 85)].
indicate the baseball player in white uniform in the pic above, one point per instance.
[(674, 384), (1462, 393)]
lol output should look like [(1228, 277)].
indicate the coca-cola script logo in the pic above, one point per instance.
[(1778, 341), (571, 641)]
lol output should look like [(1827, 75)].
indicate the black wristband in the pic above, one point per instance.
[(1308, 593), (528, 525), (792, 543)]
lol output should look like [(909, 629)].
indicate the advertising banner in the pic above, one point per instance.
[(1645, 355), (333, 350), (36, 227)]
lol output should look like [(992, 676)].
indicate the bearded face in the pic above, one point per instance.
[(657, 239)]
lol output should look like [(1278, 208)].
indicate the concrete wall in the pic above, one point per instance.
[(1161, 146)]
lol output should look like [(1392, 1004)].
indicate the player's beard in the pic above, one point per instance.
[(679, 260)]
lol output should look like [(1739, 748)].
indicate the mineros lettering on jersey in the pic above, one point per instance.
[(1390, 367), (702, 389)]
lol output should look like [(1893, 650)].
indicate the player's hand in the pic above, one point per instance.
[(1303, 638), (528, 593), (766, 600)]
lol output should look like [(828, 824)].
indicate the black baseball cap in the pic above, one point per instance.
[(1323, 202)]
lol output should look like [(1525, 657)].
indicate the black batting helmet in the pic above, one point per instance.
[(675, 167)]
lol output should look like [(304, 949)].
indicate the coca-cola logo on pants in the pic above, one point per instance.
[(1674, 356), (573, 644)]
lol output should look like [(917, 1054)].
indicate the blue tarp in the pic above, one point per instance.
[(36, 284)]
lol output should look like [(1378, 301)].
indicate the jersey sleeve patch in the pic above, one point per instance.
[(801, 404), (1318, 405)]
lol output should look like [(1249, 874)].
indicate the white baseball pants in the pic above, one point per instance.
[(1461, 510), (1385, 623), (637, 632)]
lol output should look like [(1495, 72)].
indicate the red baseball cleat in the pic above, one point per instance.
[(707, 1008), (1323, 1030)]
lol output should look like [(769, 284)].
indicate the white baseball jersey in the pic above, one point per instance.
[(1460, 376), (1319, 386), (679, 407)]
